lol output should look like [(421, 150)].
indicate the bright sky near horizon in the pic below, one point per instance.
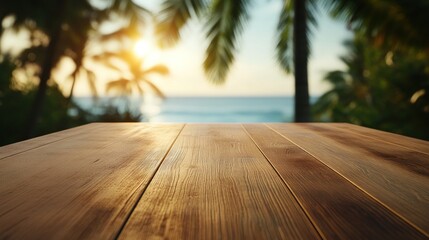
[(255, 71)]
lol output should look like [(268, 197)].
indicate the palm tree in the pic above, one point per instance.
[(81, 69), (393, 22), (132, 16), (77, 39), (133, 76), (58, 16), (349, 88), (54, 28), (225, 20), (381, 88), (54, 18)]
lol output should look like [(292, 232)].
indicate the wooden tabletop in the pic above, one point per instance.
[(215, 181)]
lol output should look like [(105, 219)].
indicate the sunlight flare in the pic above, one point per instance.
[(147, 50), (141, 48)]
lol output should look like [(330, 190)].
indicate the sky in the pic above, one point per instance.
[(255, 71)]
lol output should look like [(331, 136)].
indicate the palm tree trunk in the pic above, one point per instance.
[(1, 36), (51, 51), (300, 58), (79, 64), (74, 79), (69, 97)]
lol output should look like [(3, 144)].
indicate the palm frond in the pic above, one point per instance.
[(117, 34), (397, 22), (173, 16), (103, 55), (128, 8), (135, 16), (159, 68), (155, 88), (312, 9), (126, 55), (225, 24), (312, 12), (284, 37), (123, 55), (91, 82), (138, 87), (109, 64), (107, 59), (335, 77), (134, 27), (285, 31), (123, 86)]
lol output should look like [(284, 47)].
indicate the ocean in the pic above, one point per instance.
[(205, 109)]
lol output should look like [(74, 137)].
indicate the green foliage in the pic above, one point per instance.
[(380, 88), (173, 16), (113, 114), (11, 103), (399, 22), (224, 23), (64, 28), (15, 99), (58, 29), (58, 112)]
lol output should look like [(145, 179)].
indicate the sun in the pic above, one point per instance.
[(145, 48), (141, 48)]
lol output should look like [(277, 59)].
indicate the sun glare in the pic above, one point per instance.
[(147, 50), (141, 47)]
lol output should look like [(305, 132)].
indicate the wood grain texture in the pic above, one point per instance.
[(411, 143), (334, 204), (396, 177), (82, 187), (405, 158), (215, 184), (16, 148)]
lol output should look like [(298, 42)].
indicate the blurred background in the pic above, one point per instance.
[(65, 63)]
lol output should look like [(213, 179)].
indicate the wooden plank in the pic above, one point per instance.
[(81, 187), (215, 184), (16, 148), (396, 177), (408, 159), (335, 205), (408, 142)]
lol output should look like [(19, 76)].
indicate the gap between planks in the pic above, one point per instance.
[(395, 176), (197, 162), (319, 231), (100, 188), (140, 195), (357, 186)]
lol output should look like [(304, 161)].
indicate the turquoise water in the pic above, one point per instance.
[(208, 109), (231, 109)]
